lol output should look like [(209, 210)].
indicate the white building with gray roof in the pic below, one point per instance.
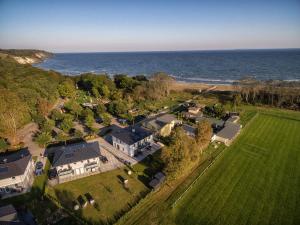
[(76, 161), (131, 140), (16, 172)]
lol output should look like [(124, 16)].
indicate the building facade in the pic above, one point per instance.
[(16, 173), (77, 160), (132, 140)]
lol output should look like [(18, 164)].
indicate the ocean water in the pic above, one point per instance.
[(214, 67)]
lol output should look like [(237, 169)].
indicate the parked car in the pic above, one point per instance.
[(52, 174), (103, 159), (39, 168)]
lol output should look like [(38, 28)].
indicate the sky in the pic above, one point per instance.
[(142, 25)]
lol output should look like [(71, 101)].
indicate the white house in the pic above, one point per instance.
[(131, 140), (76, 160), (228, 133), (16, 172), (162, 124)]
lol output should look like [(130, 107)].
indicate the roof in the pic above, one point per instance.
[(189, 129), (229, 131), (9, 216), (131, 135), (75, 153), (233, 119), (166, 118), (159, 122), (7, 210), (155, 183), (160, 176), (14, 163), (212, 121)]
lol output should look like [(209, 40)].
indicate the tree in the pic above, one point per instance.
[(43, 139), (236, 100), (89, 121), (63, 137), (3, 145), (86, 112), (176, 156), (56, 115), (43, 106), (106, 118), (67, 123), (67, 89), (78, 134), (117, 107), (219, 110), (47, 126), (100, 108), (13, 114), (74, 108), (163, 82), (203, 134), (104, 91)]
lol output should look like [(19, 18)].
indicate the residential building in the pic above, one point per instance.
[(9, 215), (228, 133), (76, 161), (189, 130), (132, 140), (16, 172), (158, 179), (162, 124)]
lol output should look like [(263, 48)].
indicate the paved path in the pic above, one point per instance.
[(26, 135)]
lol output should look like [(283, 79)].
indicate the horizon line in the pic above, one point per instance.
[(146, 51)]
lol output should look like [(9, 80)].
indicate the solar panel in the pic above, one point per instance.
[(3, 169)]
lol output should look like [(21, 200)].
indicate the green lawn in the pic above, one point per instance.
[(107, 190), (257, 180)]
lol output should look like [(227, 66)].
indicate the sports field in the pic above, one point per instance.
[(256, 181)]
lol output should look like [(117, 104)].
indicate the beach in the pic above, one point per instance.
[(181, 85)]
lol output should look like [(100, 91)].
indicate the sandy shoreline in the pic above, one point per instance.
[(181, 85)]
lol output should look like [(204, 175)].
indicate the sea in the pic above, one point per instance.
[(212, 67)]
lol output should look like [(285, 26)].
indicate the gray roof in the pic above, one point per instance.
[(160, 176), (159, 121), (189, 129), (7, 210), (131, 135), (155, 183), (212, 121), (75, 153), (166, 118), (229, 131), (14, 163)]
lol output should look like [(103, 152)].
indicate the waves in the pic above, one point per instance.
[(218, 67)]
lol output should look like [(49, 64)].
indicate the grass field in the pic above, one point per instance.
[(257, 181)]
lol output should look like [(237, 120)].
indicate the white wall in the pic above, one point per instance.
[(129, 149), (24, 178), (78, 167)]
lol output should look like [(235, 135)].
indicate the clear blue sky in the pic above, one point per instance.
[(112, 25)]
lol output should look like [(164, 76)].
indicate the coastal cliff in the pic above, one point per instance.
[(25, 56)]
